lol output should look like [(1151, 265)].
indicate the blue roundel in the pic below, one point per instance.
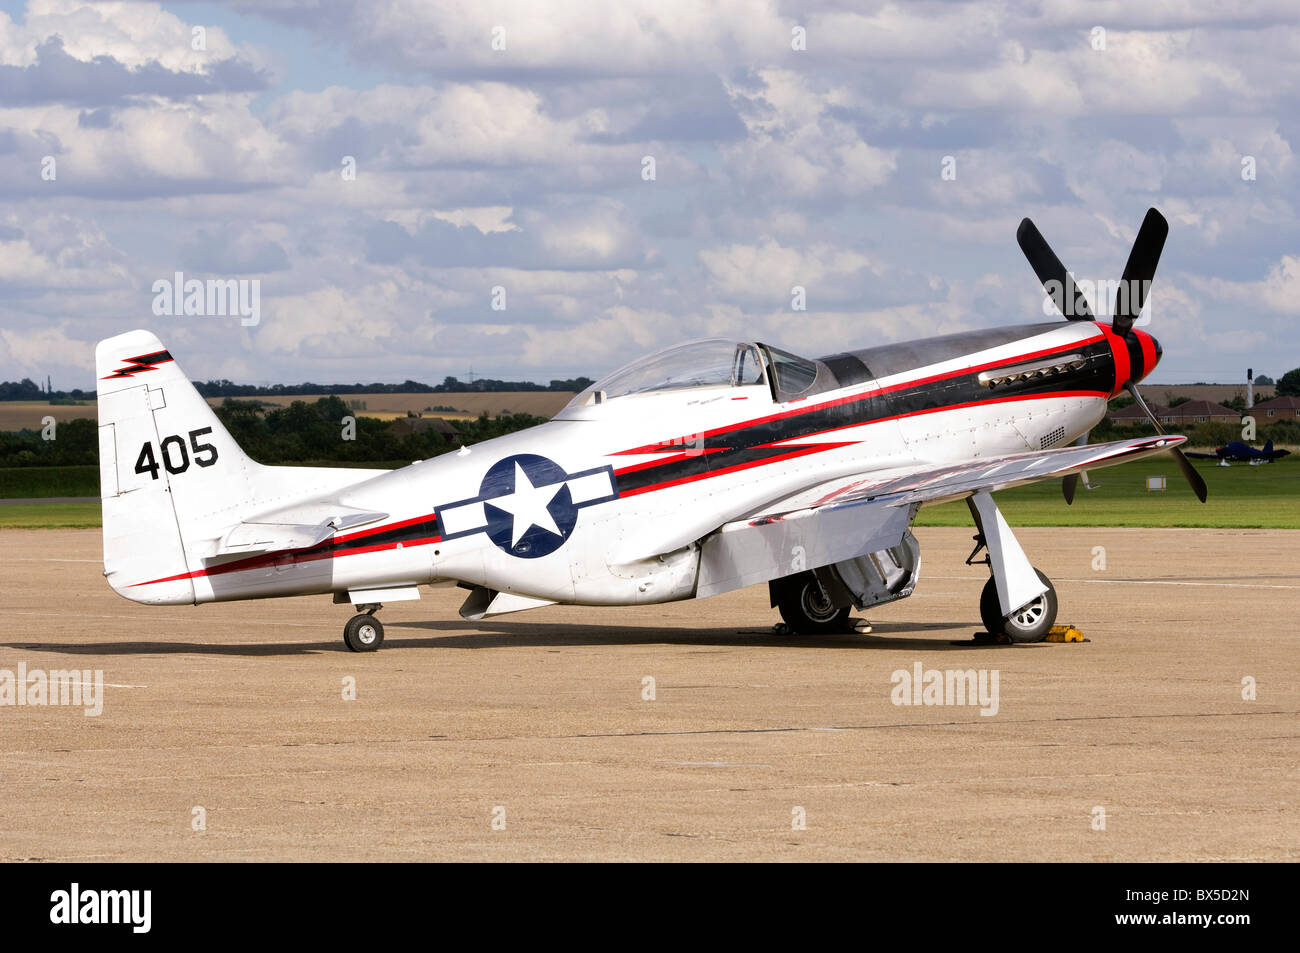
[(528, 506)]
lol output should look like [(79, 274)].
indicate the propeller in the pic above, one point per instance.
[(1139, 272), (1189, 471)]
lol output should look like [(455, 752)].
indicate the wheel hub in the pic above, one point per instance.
[(1027, 616), (817, 605)]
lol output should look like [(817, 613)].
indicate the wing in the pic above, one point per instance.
[(944, 484), (857, 515)]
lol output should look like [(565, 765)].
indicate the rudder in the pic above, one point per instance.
[(170, 473)]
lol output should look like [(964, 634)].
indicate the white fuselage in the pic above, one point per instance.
[(604, 504)]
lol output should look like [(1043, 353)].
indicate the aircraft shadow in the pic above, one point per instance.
[(177, 648), (487, 635)]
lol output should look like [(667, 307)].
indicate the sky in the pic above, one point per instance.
[(543, 190)]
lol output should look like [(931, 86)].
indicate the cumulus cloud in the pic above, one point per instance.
[(58, 253), (634, 174), (57, 77), (770, 271)]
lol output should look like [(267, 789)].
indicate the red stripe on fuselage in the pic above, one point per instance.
[(794, 452), (675, 458), (801, 450), (306, 554)]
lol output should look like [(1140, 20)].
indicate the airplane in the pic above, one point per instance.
[(1239, 452), (700, 469)]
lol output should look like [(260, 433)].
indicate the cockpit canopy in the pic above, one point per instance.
[(713, 362)]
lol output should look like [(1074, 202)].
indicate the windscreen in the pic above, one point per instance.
[(710, 363), (794, 374)]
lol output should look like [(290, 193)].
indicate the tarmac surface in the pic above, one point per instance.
[(530, 737)]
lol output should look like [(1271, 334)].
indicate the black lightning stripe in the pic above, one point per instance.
[(138, 365)]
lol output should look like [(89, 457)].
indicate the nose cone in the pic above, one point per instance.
[(1150, 352)]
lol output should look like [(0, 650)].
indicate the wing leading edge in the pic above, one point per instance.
[(944, 484)]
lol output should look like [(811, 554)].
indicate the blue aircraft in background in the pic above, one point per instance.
[(1239, 452)]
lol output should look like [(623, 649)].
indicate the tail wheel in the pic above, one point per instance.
[(806, 608), (363, 633), (1029, 623)]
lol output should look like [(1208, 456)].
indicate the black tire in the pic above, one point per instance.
[(806, 609), (1030, 623), (363, 633)]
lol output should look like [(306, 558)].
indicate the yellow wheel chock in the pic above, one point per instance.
[(1064, 633)]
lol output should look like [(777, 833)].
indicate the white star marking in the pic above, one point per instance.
[(528, 506)]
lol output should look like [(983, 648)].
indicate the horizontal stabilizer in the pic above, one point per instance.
[(361, 597), (294, 527), (483, 603)]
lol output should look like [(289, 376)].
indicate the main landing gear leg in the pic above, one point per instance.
[(364, 633), (1018, 601)]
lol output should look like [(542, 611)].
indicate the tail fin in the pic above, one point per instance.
[(165, 462), (1268, 447), (172, 479)]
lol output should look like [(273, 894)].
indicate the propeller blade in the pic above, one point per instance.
[(1140, 270), (1066, 295), (1194, 478), (1070, 482), (1189, 471)]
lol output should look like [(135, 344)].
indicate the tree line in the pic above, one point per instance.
[(27, 389), (1208, 434), (321, 432)]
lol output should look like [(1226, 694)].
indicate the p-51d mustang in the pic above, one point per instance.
[(697, 470)]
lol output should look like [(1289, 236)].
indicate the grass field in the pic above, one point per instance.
[(24, 482), (1241, 497), (50, 516)]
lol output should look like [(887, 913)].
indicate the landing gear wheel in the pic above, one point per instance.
[(363, 633), (806, 608), (1029, 623)]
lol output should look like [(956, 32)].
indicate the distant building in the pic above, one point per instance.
[(1133, 414), (1279, 408), (1203, 412), (405, 426)]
